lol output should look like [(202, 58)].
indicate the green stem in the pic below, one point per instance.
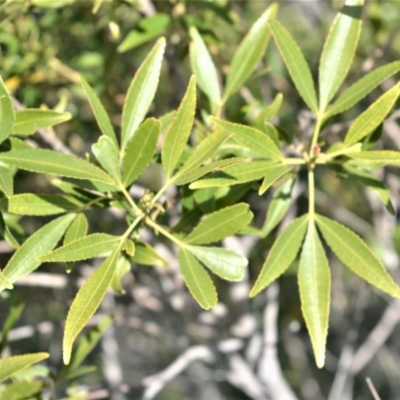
[(316, 132), (161, 191), (128, 197), (164, 232), (311, 193), (130, 228)]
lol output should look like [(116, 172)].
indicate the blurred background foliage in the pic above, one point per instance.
[(46, 44)]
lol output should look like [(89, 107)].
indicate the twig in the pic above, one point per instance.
[(372, 388)]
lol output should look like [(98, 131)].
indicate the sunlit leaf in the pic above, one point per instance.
[(122, 267), (282, 254), (380, 157), (77, 229), (7, 113), (197, 280), (6, 181), (296, 64), (356, 255), (107, 155), (11, 365), (272, 175), (21, 390), (315, 291), (220, 224), (146, 255)]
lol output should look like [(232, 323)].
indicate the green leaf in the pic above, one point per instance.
[(77, 229), (274, 173), (356, 255), (4, 282), (38, 204), (107, 155), (227, 264), (140, 150), (296, 64), (179, 130), (42, 241), (87, 301), (253, 139), (12, 365), (6, 181), (121, 269), (380, 157), (141, 93), (148, 29), (282, 254), (361, 88), (339, 48), (7, 113), (100, 113), (371, 118), (54, 163), (21, 390), (249, 52), (203, 67), (94, 245), (30, 121), (202, 152), (146, 255), (220, 224), (268, 112), (197, 280), (315, 291), (242, 172), (278, 207)]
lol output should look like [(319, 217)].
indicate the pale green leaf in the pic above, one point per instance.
[(361, 88), (6, 181), (253, 139), (100, 113), (39, 204), (235, 174), (371, 118), (107, 155), (122, 267), (21, 390), (249, 52), (42, 241), (141, 93), (179, 130), (339, 48), (87, 301), (315, 291), (4, 282), (273, 174), (30, 121), (227, 264), (140, 150), (296, 64), (220, 224), (278, 207), (356, 255), (7, 113), (77, 229), (54, 163), (197, 280), (204, 69), (129, 247), (94, 245), (146, 255), (282, 254), (12, 365), (379, 157)]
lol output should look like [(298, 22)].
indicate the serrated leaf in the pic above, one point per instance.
[(141, 93), (197, 280), (272, 176), (220, 224), (371, 118), (227, 264), (29, 121), (296, 64), (361, 88), (94, 245), (315, 289), (87, 301), (140, 150), (202, 152), (42, 241), (6, 181), (7, 113), (356, 255), (146, 255), (179, 130), (11, 365), (380, 157), (282, 254), (77, 229), (39, 204), (235, 174), (203, 67), (121, 269), (99, 112), (339, 48), (256, 141), (107, 155), (249, 52), (54, 163), (278, 207)]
